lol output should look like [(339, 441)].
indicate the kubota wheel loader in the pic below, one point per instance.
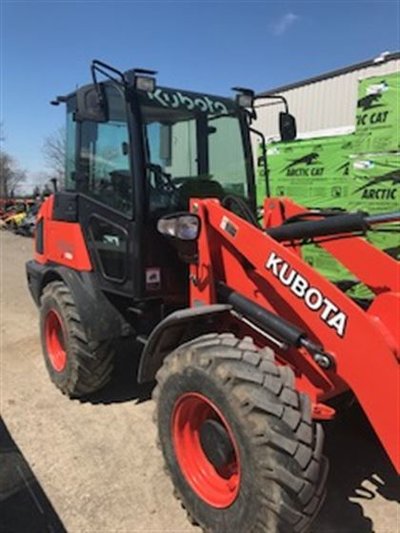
[(156, 236)]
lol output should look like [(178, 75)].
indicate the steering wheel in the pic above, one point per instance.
[(163, 180), (232, 200)]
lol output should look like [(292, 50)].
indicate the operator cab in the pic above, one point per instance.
[(153, 151), (137, 152)]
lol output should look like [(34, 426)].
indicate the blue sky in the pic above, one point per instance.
[(209, 46)]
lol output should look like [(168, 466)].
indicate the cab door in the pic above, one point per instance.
[(104, 179)]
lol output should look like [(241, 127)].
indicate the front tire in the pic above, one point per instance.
[(76, 366), (238, 439)]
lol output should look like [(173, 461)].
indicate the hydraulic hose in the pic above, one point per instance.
[(349, 223), (332, 225)]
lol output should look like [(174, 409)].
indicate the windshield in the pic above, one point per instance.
[(194, 148)]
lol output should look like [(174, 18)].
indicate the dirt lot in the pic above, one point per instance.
[(94, 466)]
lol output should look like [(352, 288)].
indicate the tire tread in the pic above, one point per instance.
[(92, 362), (281, 416)]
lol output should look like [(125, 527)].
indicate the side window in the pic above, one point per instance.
[(228, 168), (104, 172), (111, 244)]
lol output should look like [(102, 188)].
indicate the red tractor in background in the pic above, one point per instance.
[(156, 236)]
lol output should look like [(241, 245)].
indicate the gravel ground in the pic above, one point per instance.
[(93, 465)]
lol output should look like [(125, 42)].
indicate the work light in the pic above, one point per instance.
[(144, 79), (244, 96), (185, 227), (145, 83)]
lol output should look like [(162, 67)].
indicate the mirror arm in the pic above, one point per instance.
[(105, 69), (272, 97), (264, 158), (285, 103), (251, 114), (102, 68)]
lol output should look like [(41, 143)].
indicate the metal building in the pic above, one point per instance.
[(326, 104)]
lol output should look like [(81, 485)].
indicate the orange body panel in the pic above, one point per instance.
[(63, 243)]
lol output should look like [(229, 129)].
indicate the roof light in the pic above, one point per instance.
[(145, 83), (144, 80), (244, 97)]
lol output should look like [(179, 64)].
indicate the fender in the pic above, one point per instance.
[(176, 329), (100, 319)]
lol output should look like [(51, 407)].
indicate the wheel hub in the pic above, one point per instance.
[(55, 344), (216, 443), (206, 449)]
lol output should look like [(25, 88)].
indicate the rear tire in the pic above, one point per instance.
[(274, 479), (76, 366)]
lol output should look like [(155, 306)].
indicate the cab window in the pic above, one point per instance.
[(104, 169)]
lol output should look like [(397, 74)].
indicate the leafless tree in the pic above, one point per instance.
[(54, 149), (11, 177)]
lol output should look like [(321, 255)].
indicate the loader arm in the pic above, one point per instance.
[(364, 345), (379, 272)]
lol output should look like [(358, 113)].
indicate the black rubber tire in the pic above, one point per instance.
[(88, 364), (283, 471)]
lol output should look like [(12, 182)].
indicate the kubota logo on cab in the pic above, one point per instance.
[(178, 99)]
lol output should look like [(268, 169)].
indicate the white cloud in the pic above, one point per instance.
[(284, 23)]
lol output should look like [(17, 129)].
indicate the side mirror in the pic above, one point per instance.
[(182, 226), (287, 126), (91, 104)]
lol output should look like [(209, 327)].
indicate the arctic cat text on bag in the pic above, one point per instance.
[(315, 171), (375, 183), (377, 115)]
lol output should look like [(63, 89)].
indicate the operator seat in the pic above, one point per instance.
[(199, 188)]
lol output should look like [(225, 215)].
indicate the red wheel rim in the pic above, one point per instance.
[(54, 335), (217, 487)]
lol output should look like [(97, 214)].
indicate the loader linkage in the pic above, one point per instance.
[(331, 343)]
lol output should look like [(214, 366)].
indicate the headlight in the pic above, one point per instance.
[(183, 226)]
